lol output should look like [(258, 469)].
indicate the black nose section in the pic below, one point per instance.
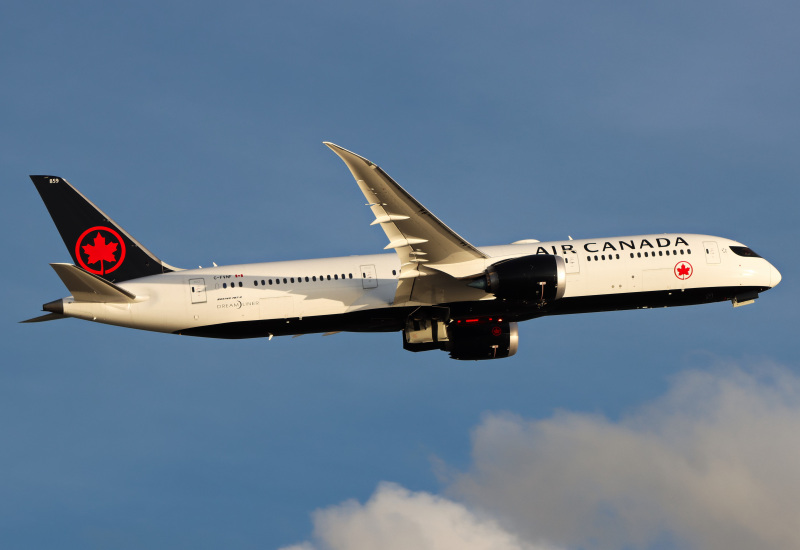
[(56, 306)]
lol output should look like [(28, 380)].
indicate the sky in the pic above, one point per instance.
[(198, 127)]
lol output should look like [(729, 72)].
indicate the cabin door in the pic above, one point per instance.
[(197, 288), (712, 252), (368, 277)]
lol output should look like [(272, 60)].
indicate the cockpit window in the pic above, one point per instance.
[(744, 251)]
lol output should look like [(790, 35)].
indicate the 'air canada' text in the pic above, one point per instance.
[(632, 244)]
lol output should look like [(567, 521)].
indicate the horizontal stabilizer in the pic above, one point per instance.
[(46, 317), (87, 287)]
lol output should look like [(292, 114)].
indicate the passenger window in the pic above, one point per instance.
[(336, 276), (329, 277), (224, 285), (255, 283), (284, 280), (262, 282), (351, 275)]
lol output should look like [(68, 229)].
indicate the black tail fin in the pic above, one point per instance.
[(95, 241)]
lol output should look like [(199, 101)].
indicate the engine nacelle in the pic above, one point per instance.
[(540, 277), (478, 339)]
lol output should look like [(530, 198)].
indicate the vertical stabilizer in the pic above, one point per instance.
[(95, 242)]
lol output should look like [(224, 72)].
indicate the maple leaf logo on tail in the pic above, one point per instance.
[(100, 250)]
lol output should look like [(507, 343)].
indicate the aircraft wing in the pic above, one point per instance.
[(425, 245)]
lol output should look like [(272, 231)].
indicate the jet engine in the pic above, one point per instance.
[(540, 277), (481, 338), (468, 339)]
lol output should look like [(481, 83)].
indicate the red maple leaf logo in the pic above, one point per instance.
[(107, 248), (100, 251), (683, 270)]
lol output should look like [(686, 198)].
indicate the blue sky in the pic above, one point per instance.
[(198, 127)]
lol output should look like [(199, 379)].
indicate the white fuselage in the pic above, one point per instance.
[(292, 292)]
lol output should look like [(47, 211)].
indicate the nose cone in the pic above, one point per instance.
[(774, 276)]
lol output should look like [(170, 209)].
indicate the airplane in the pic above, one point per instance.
[(437, 289)]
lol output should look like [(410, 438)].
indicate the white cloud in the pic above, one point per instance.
[(395, 518), (714, 464)]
